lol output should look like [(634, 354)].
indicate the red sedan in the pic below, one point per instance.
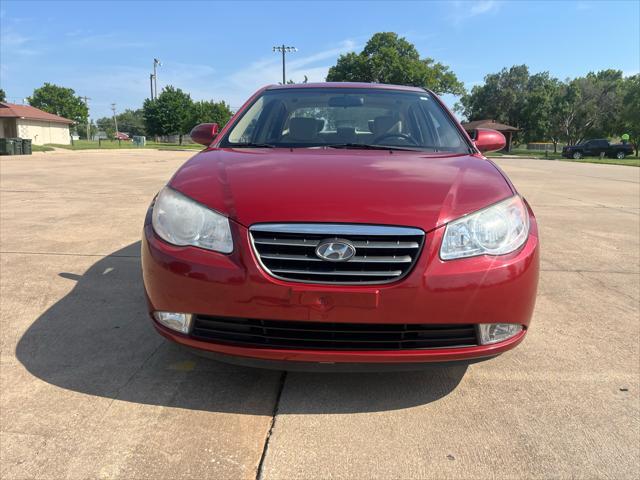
[(341, 223)]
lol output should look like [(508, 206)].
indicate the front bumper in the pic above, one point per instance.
[(466, 291)]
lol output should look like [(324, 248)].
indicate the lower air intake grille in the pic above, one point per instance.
[(331, 336), (377, 254)]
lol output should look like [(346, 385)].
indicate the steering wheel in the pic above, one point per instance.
[(404, 136)]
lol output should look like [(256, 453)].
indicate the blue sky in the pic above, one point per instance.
[(222, 50)]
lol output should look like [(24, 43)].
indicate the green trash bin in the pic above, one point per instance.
[(17, 146), (6, 146), (26, 146)]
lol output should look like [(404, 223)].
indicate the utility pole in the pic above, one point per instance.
[(115, 120), (156, 64), (284, 50), (86, 102), (151, 84)]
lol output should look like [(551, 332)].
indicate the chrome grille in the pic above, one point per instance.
[(383, 254)]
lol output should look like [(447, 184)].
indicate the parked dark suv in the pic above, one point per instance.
[(594, 148)]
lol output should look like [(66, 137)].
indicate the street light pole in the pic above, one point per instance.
[(156, 63), (151, 84), (284, 74), (284, 50)]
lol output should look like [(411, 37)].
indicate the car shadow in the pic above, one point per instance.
[(98, 340)]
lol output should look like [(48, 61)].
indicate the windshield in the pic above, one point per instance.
[(347, 118)]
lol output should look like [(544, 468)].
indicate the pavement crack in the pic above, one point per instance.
[(116, 395), (607, 287), (276, 408)]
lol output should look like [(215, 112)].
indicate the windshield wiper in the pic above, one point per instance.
[(253, 145), (364, 146)]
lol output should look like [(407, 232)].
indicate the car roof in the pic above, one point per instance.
[(377, 86)]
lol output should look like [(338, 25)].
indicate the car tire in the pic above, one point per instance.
[(620, 155), (577, 155)]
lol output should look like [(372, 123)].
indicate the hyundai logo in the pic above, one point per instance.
[(335, 250)]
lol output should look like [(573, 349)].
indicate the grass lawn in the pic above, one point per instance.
[(524, 153), (109, 144), (40, 148)]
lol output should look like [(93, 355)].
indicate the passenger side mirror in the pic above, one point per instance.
[(487, 140), (204, 133)]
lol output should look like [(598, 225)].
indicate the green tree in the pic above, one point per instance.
[(544, 108), (60, 101), (388, 58), (169, 114), (502, 97), (630, 110), (151, 116), (132, 122), (208, 112), (3, 96), (81, 130), (107, 125), (593, 105), (558, 113), (541, 95)]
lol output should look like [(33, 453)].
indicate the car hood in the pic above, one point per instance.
[(341, 186)]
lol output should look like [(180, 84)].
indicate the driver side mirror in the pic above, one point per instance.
[(204, 133), (487, 140)]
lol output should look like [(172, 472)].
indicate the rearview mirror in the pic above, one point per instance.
[(346, 101), (204, 133), (487, 140)]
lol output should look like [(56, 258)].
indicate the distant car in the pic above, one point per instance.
[(593, 148), (122, 136), (341, 223)]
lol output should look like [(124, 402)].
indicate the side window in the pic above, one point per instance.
[(443, 134)]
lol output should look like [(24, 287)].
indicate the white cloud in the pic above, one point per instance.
[(103, 41), (128, 86), (239, 85), (483, 6), (465, 10), (15, 43)]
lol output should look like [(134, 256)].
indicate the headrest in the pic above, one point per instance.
[(346, 133), (303, 128), (384, 124)]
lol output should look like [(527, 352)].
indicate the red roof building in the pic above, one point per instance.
[(41, 127)]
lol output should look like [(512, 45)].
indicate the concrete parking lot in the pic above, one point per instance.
[(89, 390)]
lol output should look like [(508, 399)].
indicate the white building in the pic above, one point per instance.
[(24, 121)]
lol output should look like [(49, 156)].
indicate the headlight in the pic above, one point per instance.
[(182, 221), (495, 230)]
